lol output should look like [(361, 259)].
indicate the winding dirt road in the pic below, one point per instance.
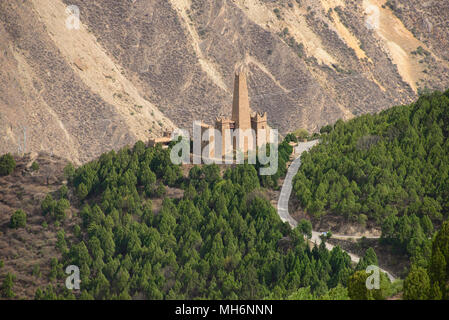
[(284, 198)]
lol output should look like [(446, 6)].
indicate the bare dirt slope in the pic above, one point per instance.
[(29, 249), (136, 68), (61, 87)]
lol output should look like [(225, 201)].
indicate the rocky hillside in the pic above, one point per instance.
[(27, 252), (136, 68)]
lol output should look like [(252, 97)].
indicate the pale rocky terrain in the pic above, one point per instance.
[(136, 68)]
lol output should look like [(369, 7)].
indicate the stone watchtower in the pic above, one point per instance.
[(225, 126), (243, 119), (240, 105), (260, 127)]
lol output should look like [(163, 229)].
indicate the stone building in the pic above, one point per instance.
[(164, 140), (246, 130)]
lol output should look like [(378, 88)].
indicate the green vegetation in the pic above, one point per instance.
[(421, 51), (392, 167), (357, 289), (55, 209), (337, 293), (37, 271), (302, 134), (326, 129), (6, 290), (291, 41), (63, 191), (417, 284), (431, 282), (277, 12), (290, 138), (284, 152), (305, 227), (357, 284), (35, 166), (7, 164), (69, 171), (221, 240), (18, 220)]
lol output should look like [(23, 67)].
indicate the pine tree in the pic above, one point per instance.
[(7, 164), (417, 284), (7, 286)]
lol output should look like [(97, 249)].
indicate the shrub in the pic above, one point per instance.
[(291, 138), (18, 220), (63, 191), (37, 271), (160, 190), (82, 191), (48, 204), (8, 284), (7, 164), (302, 134), (277, 13), (326, 129), (60, 210), (69, 171), (362, 219), (305, 226), (35, 166)]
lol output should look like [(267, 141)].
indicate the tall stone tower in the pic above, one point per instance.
[(241, 114), (245, 131)]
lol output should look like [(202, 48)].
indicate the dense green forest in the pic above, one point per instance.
[(431, 282), (222, 240), (391, 168)]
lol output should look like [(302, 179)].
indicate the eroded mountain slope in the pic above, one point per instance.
[(310, 62), (81, 92), (61, 92)]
